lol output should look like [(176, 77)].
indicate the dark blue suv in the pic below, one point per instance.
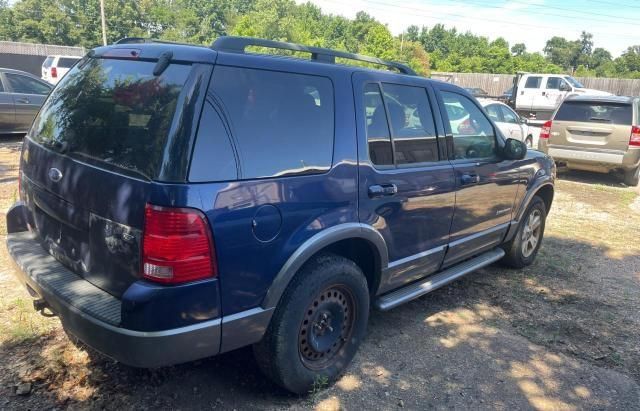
[(178, 202)]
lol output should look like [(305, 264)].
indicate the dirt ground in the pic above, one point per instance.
[(561, 334)]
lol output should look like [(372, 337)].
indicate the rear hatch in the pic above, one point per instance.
[(91, 158), (592, 125)]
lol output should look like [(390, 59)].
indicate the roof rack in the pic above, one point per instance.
[(234, 44), (140, 40)]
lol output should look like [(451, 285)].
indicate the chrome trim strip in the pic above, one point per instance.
[(411, 258), (480, 234)]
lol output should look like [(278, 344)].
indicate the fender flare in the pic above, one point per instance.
[(316, 243)]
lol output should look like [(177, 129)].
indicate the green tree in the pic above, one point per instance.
[(518, 49)]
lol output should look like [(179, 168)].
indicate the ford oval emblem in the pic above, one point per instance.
[(55, 175)]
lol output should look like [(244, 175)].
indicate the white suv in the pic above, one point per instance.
[(54, 67)]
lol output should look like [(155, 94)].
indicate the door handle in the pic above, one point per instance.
[(23, 101), (382, 190), (470, 179), (543, 93)]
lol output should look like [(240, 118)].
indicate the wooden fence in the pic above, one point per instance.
[(496, 84)]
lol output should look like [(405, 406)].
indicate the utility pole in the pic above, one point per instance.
[(104, 24)]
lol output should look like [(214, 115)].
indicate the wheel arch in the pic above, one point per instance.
[(360, 243)]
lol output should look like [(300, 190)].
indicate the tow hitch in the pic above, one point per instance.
[(41, 306)]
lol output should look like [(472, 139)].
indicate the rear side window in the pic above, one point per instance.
[(595, 112), (282, 123), (66, 62), (533, 82), (26, 85), (112, 111)]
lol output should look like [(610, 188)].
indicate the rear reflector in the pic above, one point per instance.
[(634, 140), (54, 72), (545, 131), (177, 246)]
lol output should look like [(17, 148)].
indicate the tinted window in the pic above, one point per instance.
[(113, 111), (508, 115), (282, 123), (493, 110), (213, 157), (1, 87), (26, 85), (592, 112), (473, 135), (553, 83), (412, 126), (533, 82), (66, 62), (378, 136)]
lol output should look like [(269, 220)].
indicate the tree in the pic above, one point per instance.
[(518, 49)]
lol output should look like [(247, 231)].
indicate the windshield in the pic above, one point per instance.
[(575, 83), (112, 111)]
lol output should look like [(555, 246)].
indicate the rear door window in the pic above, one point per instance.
[(533, 82), (595, 112), (26, 85), (113, 111), (378, 135), (282, 123)]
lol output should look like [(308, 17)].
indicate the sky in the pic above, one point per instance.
[(612, 23)]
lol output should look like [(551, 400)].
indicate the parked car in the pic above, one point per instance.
[(55, 67), (510, 123), (537, 96), (507, 94), (477, 92), (599, 134), (222, 199), (21, 96)]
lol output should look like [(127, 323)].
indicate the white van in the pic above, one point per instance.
[(538, 95), (54, 67)]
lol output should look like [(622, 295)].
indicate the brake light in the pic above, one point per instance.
[(176, 245), (545, 131), (54, 72), (634, 140)]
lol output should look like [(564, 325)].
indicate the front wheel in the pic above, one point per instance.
[(317, 326), (523, 248)]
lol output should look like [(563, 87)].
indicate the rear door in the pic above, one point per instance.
[(592, 125), (406, 183), (7, 111), (486, 185), (28, 96), (528, 92)]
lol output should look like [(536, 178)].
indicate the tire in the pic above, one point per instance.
[(631, 177), (517, 255), (317, 326)]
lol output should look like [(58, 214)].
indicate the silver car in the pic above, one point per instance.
[(21, 95)]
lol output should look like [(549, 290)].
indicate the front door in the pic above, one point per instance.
[(406, 184), (511, 123), (28, 96), (7, 112), (486, 185)]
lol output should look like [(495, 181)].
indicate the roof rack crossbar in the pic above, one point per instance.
[(234, 44)]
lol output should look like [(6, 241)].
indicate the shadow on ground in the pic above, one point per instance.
[(556, 335)]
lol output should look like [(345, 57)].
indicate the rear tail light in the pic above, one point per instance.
[(54, 72), (177, 246), (545, 131), (634, 140)]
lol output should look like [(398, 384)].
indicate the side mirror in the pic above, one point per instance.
[(523, 120), (514, 149)]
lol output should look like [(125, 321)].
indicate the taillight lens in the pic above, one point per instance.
[(545, 131), (177, 246), (634, 140), (54, 72)]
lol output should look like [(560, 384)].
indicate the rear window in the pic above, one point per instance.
[(112, 111), (281, 123), (533, 82), (67, 62), (595, 112)]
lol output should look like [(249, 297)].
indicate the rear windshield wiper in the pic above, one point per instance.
[(606, 120)]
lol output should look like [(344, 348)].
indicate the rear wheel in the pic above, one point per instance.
[(631, 177), (523, 248), (318, 325)]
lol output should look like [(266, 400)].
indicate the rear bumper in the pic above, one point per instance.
[(610, 159)]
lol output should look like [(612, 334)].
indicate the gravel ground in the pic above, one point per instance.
[(561, 334)]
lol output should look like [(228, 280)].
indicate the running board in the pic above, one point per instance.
[(431, 283)]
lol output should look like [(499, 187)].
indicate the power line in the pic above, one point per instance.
[(565, 9)]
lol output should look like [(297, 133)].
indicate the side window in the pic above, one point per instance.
[(1, 86), (473, 135), (67, 62), (533, 82), (412, 126), (26, 85), (378, 136), (213, 157), (553, 83), (508, 115), (493, 110), (282, 123)]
